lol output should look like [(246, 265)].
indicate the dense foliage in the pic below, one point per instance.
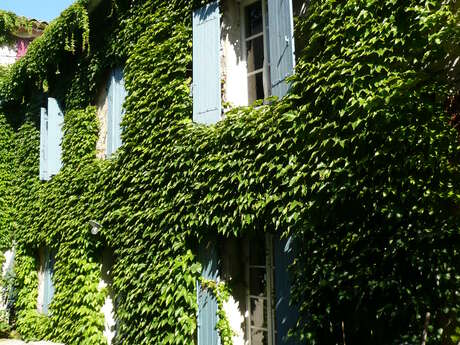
[(358, 164)]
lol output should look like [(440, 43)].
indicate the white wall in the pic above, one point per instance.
[(41, 280), (7, 55), (233, 258), (8, 265), (107, 310), (108, 307), (9, 259), (236, 319)]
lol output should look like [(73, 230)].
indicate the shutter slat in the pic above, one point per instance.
[(281, 32), (116, 97), (207, 303), (44, 145), (120, 95), (286, 315), (207, 100), (55, 124), (110, 123)]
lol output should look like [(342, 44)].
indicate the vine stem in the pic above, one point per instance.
[(425, 327)]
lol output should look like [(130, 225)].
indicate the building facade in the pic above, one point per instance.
[(207, 172)]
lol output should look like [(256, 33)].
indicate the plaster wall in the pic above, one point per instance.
[(236, 318), (9, 259), (233, 273), (41, 280), (233, 66), (102, 104), (7, 267), (7, 55), (108, 308)]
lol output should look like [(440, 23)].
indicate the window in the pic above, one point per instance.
[(256, 270), (51, 123), (255, 33), (116, 97), (260, 320), (45, 280), (110, 111), (240, 55)]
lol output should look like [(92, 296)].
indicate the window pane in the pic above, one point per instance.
[(259, 337), (255, 53), (257, 251), (257, 282), (255, 87), (258, 312), (254, 21)]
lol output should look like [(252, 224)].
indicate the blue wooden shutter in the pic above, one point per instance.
[(44, 144), (55, 123), (116, 98), (281, 37), (286, 315), (48, 292), (207, 303), (207, 100)]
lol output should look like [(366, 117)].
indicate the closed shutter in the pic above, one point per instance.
[(281, 37), (44, 145), (286, 315), (116, 98), (48, 292), (55, 124), (207, 303), (207, 101)]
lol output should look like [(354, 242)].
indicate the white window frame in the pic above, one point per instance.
[(266, 35), (270, 292)]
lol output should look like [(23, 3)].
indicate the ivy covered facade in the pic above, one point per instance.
[(185, 205)]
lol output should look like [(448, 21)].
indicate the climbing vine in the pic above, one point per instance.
[(222, 293), (358, 164)]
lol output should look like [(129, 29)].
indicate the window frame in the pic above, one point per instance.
[(265, 70), (269, 293)]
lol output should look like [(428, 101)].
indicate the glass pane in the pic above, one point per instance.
[(257, 251), (259, 337), (254, 21), (258, 312), (255, 87), (255, 53), (257, 282)]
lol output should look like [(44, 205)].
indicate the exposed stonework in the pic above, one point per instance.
[(102, 110)]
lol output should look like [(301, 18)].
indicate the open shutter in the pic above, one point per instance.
[(44, 144), (286, 315), (116, 98), (48, 292), (207, 101), (281, 37), (207, 303), (55, 123)]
